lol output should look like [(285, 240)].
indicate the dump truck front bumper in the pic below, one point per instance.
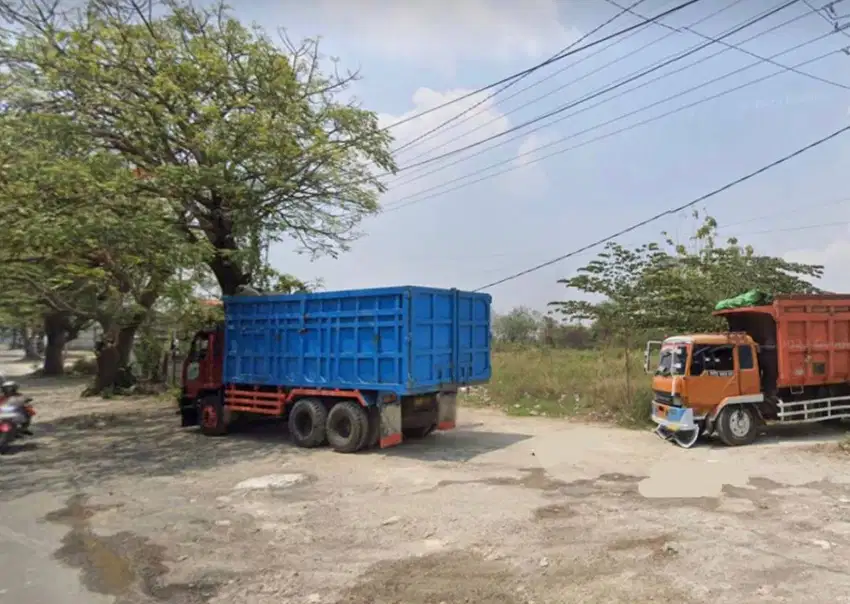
[(676, 423), (672, 418)]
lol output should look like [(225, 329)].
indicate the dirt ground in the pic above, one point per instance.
[(501, 510)]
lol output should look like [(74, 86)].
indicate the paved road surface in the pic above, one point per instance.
[(28, 571)]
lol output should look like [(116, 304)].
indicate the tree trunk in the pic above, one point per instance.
[(628, 358), (16, 342), (30, 348), (126, 339), (108, 366), (55, 328), (113, 357), (230, 276)]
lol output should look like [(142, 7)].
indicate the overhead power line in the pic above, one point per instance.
[(610, 88), (516, 81), (416, 197), (743, 50), (831, 20), (670, 211), (594, 93), (541, 65), (720, 228), (569, 83)]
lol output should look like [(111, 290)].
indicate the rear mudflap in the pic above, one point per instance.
[(390, 425), (446, 410)]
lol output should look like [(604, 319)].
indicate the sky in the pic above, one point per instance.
[(504, 206)]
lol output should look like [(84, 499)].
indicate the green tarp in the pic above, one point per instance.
[(751, 298)]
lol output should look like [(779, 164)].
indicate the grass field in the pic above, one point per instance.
[(586, 384)]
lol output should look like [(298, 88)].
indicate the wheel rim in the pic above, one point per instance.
[(210, 417), (740, 423)]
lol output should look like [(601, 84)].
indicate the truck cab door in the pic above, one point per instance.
[(711, 377), (748, 371), (194, 369)]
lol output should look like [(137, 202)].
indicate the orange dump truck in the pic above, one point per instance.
[(787, 361)]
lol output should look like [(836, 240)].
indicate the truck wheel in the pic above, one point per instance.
[(307, 420), (738, 425), (347, 427), (8, 432), (212, 417)]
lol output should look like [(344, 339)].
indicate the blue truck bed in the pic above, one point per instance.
[(405, 340)]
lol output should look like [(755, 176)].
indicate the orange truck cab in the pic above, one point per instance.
[(787, 362)]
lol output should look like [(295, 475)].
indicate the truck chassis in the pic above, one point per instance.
[(348, 420)]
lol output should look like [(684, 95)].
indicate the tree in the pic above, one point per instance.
[(519, 326), (684, 283), (615, 279), (246, 141), (80, 238)]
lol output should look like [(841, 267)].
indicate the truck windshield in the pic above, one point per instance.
[(672, 361)]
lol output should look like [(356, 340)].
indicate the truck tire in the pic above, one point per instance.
[(347, 427), (306, 422), (213, 422), (738, 425)]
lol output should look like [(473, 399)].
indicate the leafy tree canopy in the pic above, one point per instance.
[(241, 137)]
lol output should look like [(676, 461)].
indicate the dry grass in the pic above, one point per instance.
[(587, 384)]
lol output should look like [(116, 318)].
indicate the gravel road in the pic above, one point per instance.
[(112, 502)]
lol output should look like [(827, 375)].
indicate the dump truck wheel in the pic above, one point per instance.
[(213, 421), (347, 427), (307, 420), (373, 435), (738, 425)]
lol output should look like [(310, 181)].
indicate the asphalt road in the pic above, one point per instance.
[(28, 571)]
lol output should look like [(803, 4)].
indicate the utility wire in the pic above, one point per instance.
[(415, 198), (668, 74), (720, 227), (504, 87), (670, 211), (541, 65), (732, 46), (569, 83), (623, 82), (819, 13)]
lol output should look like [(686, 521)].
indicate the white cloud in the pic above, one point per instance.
[(479, 123), (440, 32), (834, 257)]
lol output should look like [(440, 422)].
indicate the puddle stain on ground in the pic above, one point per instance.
[(455, 576), (124, 565)]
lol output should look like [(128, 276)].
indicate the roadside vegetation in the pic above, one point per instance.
[(584, 357)]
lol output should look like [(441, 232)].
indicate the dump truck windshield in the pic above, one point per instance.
[(672, 361)]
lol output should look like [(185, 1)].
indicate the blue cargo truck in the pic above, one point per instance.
[(353, 369)]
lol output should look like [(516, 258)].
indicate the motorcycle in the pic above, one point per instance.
[(16, 413)]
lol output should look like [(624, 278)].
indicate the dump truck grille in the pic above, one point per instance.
[(664, 397)]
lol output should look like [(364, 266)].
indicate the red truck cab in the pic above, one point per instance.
[(201, 372)]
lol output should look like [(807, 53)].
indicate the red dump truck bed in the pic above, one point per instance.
[(806, 337)]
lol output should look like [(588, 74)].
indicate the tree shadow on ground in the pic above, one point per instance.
[(92, 448)]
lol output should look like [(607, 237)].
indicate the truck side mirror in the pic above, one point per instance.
[(647, 355)]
